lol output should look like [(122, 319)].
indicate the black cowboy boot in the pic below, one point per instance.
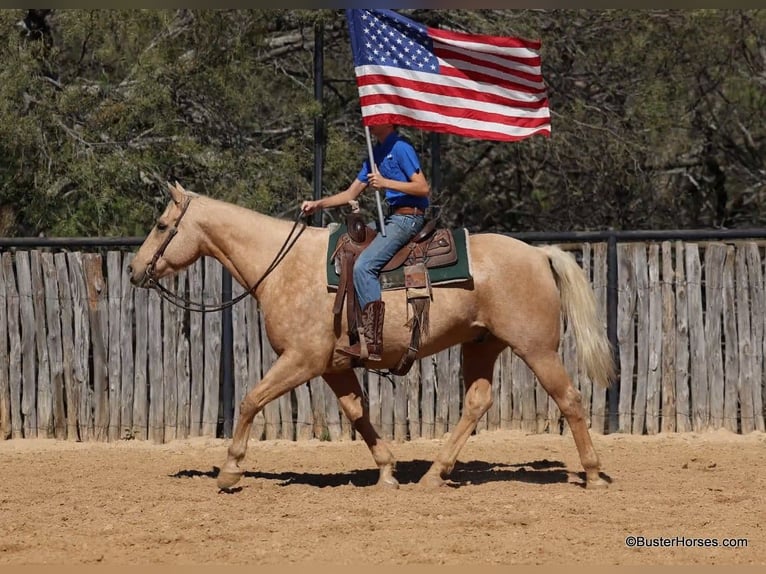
[(372, 332)]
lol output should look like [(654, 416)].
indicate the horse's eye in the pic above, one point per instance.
[(162, 226)]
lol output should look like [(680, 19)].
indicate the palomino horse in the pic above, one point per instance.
[(516, 299)]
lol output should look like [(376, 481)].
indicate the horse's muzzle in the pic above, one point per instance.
[(137, 280)]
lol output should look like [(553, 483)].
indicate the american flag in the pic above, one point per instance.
[(487, 87)]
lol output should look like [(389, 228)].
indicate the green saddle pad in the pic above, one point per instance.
[(458, 272)]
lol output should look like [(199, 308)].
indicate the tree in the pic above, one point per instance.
[(658, 118)]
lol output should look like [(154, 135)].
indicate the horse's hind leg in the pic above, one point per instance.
[(346, 387), (478, 364), (287, 373), (553, 377)]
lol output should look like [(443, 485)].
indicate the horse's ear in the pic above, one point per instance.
[(176, 192)]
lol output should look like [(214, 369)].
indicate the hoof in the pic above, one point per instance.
[(432, 481), (597, 483), (388, 482), (227, 479)]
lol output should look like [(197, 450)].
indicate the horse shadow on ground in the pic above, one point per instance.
[(466, 473)]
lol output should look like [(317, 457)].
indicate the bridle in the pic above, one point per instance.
[(182, 302)]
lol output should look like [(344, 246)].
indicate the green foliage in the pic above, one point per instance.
[(658, 119)]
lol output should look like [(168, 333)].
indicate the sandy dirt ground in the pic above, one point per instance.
[(513, 499)]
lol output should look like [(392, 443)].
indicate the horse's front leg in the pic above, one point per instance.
[(346, 387), (290, 371)]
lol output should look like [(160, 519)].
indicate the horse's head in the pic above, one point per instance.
[(173, 243)]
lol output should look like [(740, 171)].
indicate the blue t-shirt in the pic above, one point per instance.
[(396, 159)]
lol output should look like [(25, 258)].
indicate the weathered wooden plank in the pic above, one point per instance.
[(127, 361), (626, 338), (323, 399), (287, 417), (668, 340), (731, 358), (745, 344), (271, 412), (556, 420), (542, 407), (346, 430), (212, 342), (318, 388), (757, 322), (493, 415), (361, 375), (55, 348), (116, 327), (412, 416), (239, 348), (28, 347), (428, 399), (585, 384), (99, 331), (640, 269), (140, 424), (568, 352), (44, 392), (483, 423), (169, 375), (155, 370), (526, 381), (654, 343), (197, 349), (303, 422), (14, 346), (683, 406), (455, 385), (715, 254), (400, 408), (373, 398), (386, 408), (514, 375), (598, 413), (71, 392), (254, 350), (183, 363), (332, 415), (441, 419), (506, 384), (697, 349), (5, 388), (81, 345)]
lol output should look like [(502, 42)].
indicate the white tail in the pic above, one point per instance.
[(579, 306)]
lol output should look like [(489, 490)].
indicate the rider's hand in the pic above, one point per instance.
[(309, 207), (376, 180)]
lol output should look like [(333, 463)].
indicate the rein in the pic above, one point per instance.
[(188, 305)]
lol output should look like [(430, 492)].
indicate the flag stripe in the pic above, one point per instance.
[(390, 93), (481, 74), (501, 44), (414, 81), (456, 58), (528, 65), (439, 82), (449, 113), (392, 115)]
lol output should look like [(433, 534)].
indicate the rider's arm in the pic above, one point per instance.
[(417, 186), (341, 198)]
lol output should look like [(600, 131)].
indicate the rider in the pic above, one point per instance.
[(407, 195)]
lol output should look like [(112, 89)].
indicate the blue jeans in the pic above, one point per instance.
[(399, 230)]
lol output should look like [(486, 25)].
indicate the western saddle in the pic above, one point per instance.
[(430, 248)]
